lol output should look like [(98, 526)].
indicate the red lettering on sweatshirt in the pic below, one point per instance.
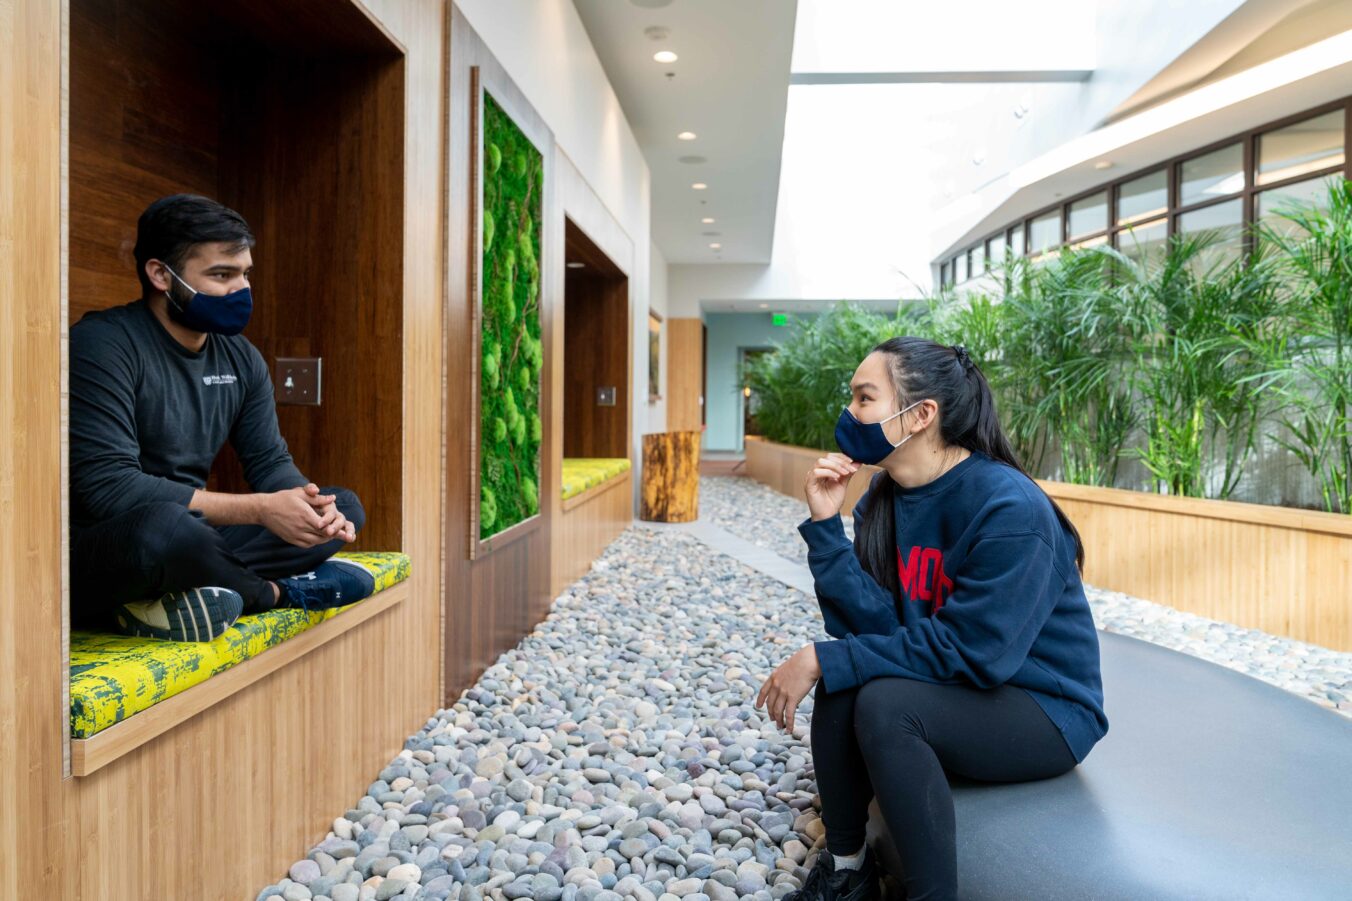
[(922, 577)]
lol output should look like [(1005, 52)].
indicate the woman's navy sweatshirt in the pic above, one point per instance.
[(990, 594)]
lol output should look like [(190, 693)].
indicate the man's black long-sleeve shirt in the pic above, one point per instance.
[(148, 416)]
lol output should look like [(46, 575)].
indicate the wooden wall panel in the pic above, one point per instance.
[(143, 123), (493, 600), (221, 805), (32, 708), (1285, 571), (583, 532), (329, 261), (596, 354), (685, 374)]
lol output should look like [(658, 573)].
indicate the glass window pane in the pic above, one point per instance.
[(1044, 232), (1223, 223), (978, 260), (1304, 147), (960, 261), (1144, 241), (1214, 175), (1088, 215), (1143, 198), (1091, 242), (1016, 240), (1313, 192), (995, 251), (943, 274)]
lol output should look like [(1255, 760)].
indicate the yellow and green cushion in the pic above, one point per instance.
[(115, 676), (581, 473)]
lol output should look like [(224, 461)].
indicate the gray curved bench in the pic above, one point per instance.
[(1209, 785)]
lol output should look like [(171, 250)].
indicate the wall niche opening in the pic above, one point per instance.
[(292, 114), (595, 351)]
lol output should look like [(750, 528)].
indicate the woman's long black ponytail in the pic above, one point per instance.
[(920, 369)]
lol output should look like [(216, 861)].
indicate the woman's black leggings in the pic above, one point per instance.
[(894, 738)]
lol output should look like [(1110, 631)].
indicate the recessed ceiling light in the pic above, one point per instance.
[(765, 306), (665, 56), (576, 265), (687, 136), (1103, 164), (715, 246), (707, 220), (699, 186)]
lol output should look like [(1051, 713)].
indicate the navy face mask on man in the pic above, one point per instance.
[(220, 314), (866, 442)]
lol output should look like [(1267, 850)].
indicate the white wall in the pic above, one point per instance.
[(545, 49), (655, 414)]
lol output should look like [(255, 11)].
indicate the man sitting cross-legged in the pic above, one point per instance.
[(157, 386)]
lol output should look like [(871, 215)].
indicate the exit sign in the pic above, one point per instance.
[(779, 318)]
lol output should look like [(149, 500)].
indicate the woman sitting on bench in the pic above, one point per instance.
[(962, 638)]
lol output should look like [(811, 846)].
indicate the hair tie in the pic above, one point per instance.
[(963, 357)]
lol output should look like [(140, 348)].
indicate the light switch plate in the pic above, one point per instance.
[(296, 380)]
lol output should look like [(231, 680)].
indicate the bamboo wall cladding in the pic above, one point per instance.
[(584, 530), (671, 477), (1285, 571), (271, 756), (685, 369)]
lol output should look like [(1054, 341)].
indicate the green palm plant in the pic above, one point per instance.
[(805, 382), (1196, 317), (1061, 351), (1314, 368)]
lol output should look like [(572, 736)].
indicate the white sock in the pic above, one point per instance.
[(850, 862)]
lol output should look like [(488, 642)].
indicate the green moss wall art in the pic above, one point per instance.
[(511, 350)]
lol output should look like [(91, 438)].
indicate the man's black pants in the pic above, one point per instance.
[(897, 739), (162, 547)]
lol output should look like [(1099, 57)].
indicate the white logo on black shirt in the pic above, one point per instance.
[(218, 380)]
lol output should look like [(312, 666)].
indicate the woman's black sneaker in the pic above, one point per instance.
[(826, 883)]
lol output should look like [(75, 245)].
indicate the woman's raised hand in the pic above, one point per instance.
[(826, 484)]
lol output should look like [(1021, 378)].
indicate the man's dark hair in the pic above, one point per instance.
[(171, 226)]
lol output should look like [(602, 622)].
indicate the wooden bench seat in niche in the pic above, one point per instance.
[(113, 677), (581, 473)]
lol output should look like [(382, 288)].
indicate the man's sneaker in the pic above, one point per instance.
[(333, 583), (198, 614), (825, 883)]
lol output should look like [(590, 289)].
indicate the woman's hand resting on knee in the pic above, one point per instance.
[(826, 484), (788, 685)]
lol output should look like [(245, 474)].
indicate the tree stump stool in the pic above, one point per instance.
[(670, 477)]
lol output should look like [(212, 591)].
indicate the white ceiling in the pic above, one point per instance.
[(730, 87)]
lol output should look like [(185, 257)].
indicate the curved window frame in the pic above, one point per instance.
[(1172, 167)]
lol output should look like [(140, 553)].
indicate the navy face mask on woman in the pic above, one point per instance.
[(220, 314), (866, 442)]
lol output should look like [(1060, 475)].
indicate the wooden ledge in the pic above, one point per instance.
[(578, 500), (102, 748), (1206, 508)]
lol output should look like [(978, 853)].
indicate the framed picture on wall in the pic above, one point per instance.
[(654, 357), (507, 204)]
